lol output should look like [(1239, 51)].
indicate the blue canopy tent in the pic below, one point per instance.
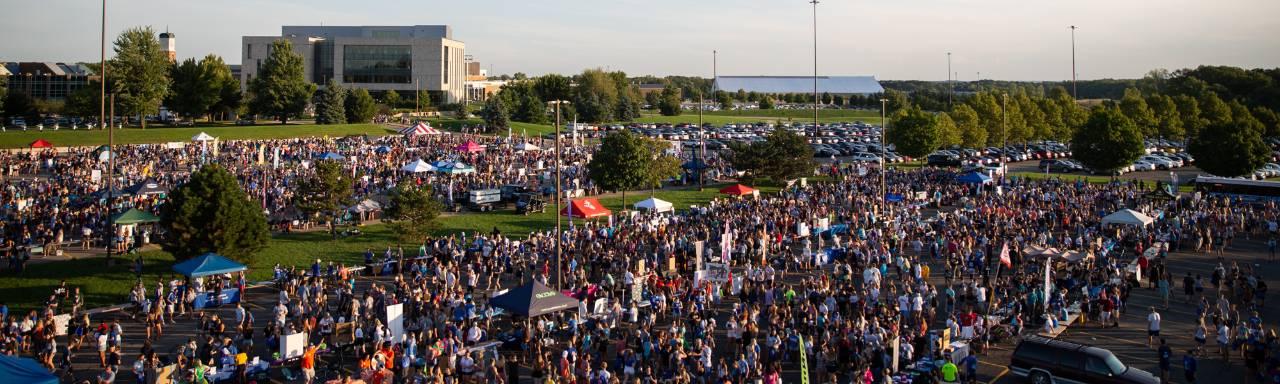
[(974, 178), (382, 149), (330, 156), (24, 370), (207, 265)]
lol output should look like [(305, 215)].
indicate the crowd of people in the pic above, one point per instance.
[(823, 278)]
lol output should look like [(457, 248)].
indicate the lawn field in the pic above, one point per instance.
[(102, 286), (68, 138), (766, 115)]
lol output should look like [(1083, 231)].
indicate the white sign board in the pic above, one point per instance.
[(292, 346), (395, 322), (716, 272), (60, 324)]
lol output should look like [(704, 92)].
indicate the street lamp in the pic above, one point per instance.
[(1074, 95), (951, 87), (815, 63), (559, 195), (884, 128)]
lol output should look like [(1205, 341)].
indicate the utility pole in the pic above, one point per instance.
[(815, 62), (950, 85), (559, 195), (111, 180), (102, 119), (1074, 90), (702, 152), (1004, 130), (884, 128)]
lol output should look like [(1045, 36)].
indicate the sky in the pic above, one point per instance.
[(892, 39)]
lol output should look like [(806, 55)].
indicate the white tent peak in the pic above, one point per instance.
[(1128, 217), (655, 204)]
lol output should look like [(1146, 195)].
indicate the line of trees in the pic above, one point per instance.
[(594, 96)]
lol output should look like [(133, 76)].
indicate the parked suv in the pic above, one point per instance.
[(1044, 361)]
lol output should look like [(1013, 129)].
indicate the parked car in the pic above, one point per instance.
[(1144, 165), (1158, 161), (864, 158), (1044, 361), (1060, 166), (943, 159)]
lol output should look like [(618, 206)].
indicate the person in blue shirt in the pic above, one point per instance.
[(1189, 366), (970, 364), (1166, 355)]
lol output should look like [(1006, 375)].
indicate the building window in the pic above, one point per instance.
[(248, 51), (386, 34), (445, 66), (382, 64), (323, 58)]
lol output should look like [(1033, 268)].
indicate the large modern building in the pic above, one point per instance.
[(377, 58), (836, 85), (46, 81)]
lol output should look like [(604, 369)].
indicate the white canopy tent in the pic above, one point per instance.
[(526, 146), (655, 204), (1128, 217), (418, 166), (202, 137)]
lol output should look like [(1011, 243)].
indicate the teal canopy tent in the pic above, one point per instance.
[(206, 265)]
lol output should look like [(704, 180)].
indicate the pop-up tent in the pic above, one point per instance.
[(134, 216), (148, 187), (330, 156), (585, 209), (533, 299), (40, 143), (738, 190), (202, 137), (420, 128), (418, 166), (527, 146), (206, 265), (1128, 217), (24, 370), (470, 147), (655, 204), (974, 178)]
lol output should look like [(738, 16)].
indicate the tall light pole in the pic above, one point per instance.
[(815, 62), (1074, 91), (884, 128), (951, 87), (559, 195), (102, 118), (702, 150), (1004, 130)]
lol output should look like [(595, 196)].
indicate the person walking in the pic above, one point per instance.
[(1189, 365), (1166, 355), (1153, 326)]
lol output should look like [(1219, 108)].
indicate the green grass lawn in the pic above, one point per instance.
[(66, 137), (102, 286), (1093, 179)]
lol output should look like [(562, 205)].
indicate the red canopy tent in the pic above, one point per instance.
[(470, 146), (41, 143), (585, 209), (738, 190)]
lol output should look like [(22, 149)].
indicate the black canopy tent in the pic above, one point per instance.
[(148, 187), (533, 299)]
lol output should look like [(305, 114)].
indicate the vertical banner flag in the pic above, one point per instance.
[(1004, 256)]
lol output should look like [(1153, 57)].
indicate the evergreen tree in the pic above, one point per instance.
[(495, 114), (280, 90), (211, 213), (325, 193), (193, 91), (670, 103), (413, 211), (331, 104), (359, 106)]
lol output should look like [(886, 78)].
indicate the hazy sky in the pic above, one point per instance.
[(892, 39)]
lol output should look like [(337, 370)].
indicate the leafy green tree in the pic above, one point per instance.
[(1269, 119), (1213, 110), (359, 106), (1165, 112), (766, 102), (670, 103), (193, 90), (838, 100), (897, 99), (459, 110), (972, 135), (495, 114), (424, 100), (141, 72), (628, 108), (1108, 141), (1231, 147), (752, 96), (83, 102), (948, 132), (413, 212), (325, 193), (750, 157), (211, 213), (523, 102), (783, 155), (826, 98), (228, 87), (987, 108), (595, 96), (621, 162), (331, 103), (662, 164), (280, 90), (391, 99), (553, 87), (1135, 108), (725, 100), (652, 99), (1189, 115), (742, 95), (913, 131), (19, 104)]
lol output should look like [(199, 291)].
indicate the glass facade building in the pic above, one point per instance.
[(323, 52), (377, 64)]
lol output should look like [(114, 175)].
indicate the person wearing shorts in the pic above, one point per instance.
[(1153, 326)]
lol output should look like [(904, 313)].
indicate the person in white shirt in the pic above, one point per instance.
[(1153, 326)]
